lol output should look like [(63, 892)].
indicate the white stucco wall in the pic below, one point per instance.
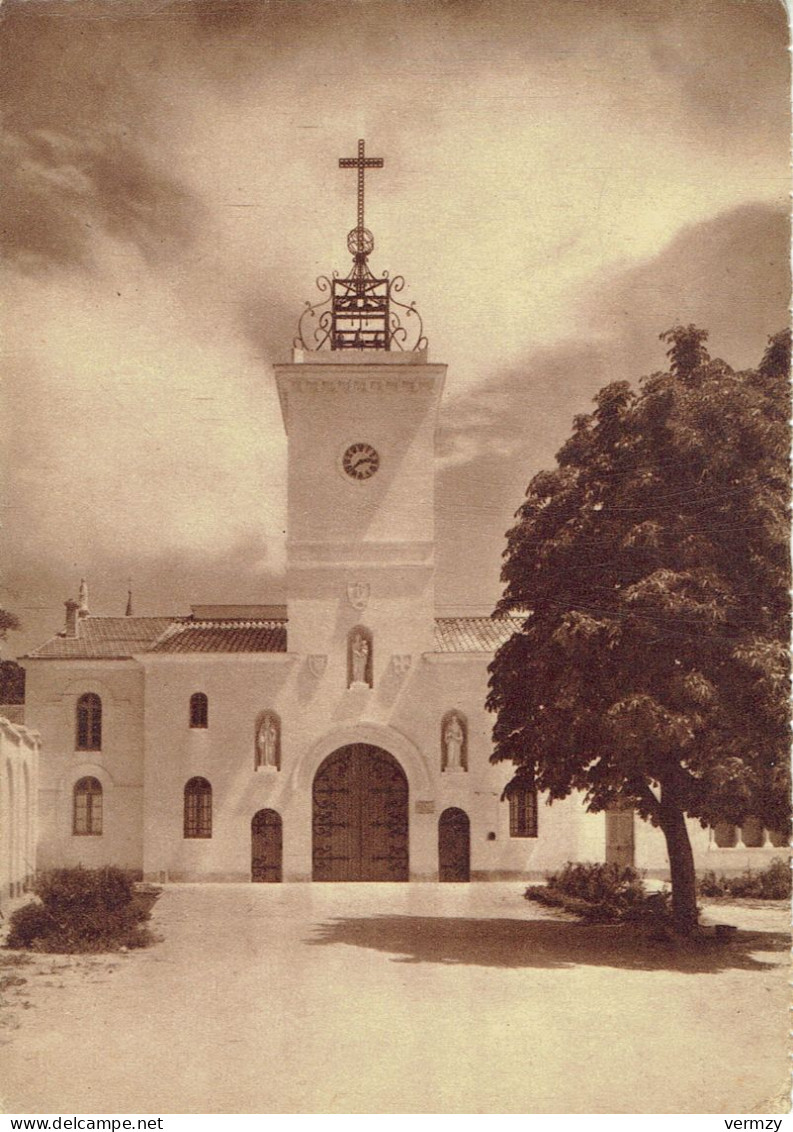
[(53, 688), (401, 714), (19, 765)]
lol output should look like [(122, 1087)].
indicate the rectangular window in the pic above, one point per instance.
[(523, 812)]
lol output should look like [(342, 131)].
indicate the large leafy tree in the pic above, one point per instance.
[(8, 622), (650, 572), (12, 682), (12, 675)]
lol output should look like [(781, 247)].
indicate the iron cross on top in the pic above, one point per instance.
[(361, 162)]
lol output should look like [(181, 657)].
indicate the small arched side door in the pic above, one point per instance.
[(266, 846), (454, 846)]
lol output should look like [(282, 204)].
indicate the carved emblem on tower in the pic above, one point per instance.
[(317, 663), (358, 594)]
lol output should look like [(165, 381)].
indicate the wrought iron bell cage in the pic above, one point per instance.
[(360, 310)]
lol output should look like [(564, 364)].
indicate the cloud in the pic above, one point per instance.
[(79, 119), (174, 190), (64, 192), (163, 584), (729, 274)]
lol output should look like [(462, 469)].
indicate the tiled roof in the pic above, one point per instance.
[(473, 634), (223, 636), (106, 637), (118, 637)]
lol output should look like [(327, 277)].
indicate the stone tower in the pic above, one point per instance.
[(360, 403)]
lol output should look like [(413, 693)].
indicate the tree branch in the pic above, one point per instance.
[(650, 800)]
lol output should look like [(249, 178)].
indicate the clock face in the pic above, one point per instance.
[(360, 461)]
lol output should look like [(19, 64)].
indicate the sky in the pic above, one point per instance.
[(562, 182)]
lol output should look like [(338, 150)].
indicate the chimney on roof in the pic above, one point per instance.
[(82, 610), (72, 608)]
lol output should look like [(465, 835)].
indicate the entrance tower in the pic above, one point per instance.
[(359, 401)]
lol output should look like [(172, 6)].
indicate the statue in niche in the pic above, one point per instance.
[(359, 658), (267, 742), (453, 741)]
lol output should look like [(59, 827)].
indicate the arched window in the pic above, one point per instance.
[(198, 808), (199, 710), (87, 814), (523, 812), (89, 723)]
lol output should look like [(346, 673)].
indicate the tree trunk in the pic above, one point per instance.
[(681, 864)]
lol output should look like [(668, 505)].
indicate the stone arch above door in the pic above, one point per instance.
[(397, 744)]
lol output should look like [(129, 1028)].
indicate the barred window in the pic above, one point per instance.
[(87, 813), (199, 710), (198, 808), (89, 723), (523, 812)]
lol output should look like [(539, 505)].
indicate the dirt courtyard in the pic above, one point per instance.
[(418, 998)]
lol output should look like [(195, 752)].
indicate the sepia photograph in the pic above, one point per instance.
[(395, 579)]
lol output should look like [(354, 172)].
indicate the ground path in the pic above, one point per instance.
[(367, 998)]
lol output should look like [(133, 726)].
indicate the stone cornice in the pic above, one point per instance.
[(373, 359), (366, 383), (360, 379)]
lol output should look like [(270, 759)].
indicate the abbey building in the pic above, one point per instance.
[(341, 737)]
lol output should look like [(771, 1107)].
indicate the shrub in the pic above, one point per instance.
[(66, 890), (773, 883), (597, 882), (602, 894), (29, 923), (82, 910)]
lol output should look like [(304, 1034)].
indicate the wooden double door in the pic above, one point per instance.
[(360, 816)]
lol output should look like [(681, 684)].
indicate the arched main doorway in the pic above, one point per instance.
[(266, 846), (454, 845), (360, 816)]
